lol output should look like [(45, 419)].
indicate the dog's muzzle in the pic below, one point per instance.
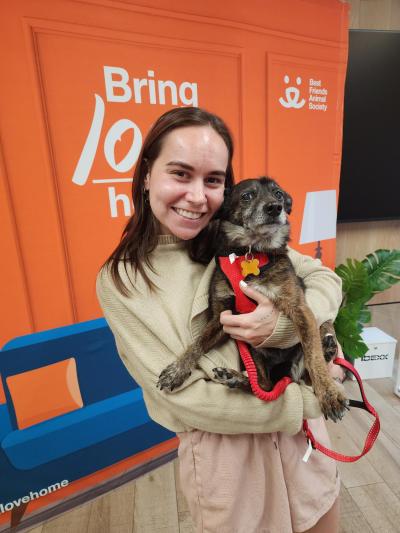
[(273, 209)]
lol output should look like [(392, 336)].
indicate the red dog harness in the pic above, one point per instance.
[(233, 267)]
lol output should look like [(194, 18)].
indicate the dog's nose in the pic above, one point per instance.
[(273, 209)]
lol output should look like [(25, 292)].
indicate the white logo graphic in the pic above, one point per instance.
[(9, 506), (113, 136), (317, 95), (292, 95)]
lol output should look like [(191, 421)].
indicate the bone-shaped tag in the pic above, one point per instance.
[(250, 266)]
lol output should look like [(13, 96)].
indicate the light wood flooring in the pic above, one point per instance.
[(370, 495)]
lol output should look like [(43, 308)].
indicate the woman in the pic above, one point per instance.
[(240, 458)]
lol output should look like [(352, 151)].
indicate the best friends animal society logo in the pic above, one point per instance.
[(316, 96)]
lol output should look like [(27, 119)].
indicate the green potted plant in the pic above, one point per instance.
[(361, 280)]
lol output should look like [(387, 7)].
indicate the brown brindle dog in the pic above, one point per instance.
[(253, 218)]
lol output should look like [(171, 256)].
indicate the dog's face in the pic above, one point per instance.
[(260, 208)]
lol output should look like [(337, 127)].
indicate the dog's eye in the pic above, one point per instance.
[(247, 196), (278, 195)]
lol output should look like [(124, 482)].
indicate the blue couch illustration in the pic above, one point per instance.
[(112, 425)]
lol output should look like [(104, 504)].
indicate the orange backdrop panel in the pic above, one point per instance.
[(82, 83)]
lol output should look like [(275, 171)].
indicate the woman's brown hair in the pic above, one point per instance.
[(140, 234)]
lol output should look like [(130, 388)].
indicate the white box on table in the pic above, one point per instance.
[(378, 361)]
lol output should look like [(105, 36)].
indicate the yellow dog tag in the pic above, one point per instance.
[(250, 266)]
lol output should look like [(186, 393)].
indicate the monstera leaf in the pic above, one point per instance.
[(356, 283), (383, 268), (361, 280), (348, 327)]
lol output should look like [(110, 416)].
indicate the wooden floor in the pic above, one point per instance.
[(370, 495)]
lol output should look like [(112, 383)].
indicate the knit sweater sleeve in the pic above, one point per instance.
[(323, 293), (200, 402)]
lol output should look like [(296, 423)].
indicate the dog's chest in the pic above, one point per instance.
[(268, 288), (254, 270)]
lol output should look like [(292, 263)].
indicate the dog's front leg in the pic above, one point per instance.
[(176, 373), (333, 403), (288, 297), (221, 298)]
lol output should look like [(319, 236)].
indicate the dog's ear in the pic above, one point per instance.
[(223, 211), (288, 203)]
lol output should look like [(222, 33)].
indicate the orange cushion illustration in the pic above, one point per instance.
[(45, 392)]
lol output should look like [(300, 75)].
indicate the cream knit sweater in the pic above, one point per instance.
[(152, 328)]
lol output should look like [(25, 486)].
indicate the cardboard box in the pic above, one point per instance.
[(378, 361)]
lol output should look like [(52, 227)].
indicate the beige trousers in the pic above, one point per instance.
[(256, 483)]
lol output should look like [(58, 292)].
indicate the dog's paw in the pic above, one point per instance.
[(333, 403), (329, 346), (173, 376), (231, 378)]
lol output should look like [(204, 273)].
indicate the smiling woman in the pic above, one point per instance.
[(240, 458), (186, 182)]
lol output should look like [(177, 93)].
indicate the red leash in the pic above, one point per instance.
[(232, 271), (372, 433), (279, 388)]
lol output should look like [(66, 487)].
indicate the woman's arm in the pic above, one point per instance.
[(265, 327), (201, 402)]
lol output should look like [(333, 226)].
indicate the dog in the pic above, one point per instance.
[(254, 218)]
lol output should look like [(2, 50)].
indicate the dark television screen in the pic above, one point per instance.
[(370, 172)]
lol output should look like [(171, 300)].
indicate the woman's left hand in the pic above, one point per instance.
[(253, 327)]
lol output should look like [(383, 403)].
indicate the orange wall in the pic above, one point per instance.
[(55, 232)]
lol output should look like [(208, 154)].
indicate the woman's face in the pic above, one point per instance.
[(186, 181)]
